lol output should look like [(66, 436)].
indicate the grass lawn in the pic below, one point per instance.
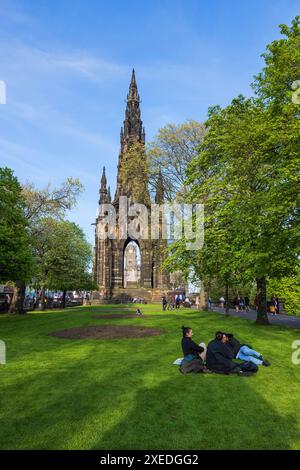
[(94, 394)]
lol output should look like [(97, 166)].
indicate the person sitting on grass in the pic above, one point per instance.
[(219, 358), (244, 352), (138, 313), (190, 349)]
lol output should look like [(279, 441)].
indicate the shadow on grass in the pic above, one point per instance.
[(95, 395), (201, 412), (127, 402)]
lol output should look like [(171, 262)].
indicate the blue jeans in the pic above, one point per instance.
[(189, 358), (248, 354)]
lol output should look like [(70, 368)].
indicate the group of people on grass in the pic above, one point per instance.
[(219, 355)]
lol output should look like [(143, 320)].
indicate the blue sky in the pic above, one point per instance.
[(67, 67)]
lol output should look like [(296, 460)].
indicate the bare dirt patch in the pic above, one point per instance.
[(107, 332)]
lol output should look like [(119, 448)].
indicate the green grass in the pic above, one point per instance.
[(94, 394)]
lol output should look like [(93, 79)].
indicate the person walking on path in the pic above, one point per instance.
[(237, 303), (273, 306)]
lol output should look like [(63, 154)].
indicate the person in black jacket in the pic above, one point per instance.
[(244, 351), (219, 358), (190, 349)]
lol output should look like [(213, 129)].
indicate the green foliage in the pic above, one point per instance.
[(49, 202), (63, 255), (134, 172), (282, 68), (247, 176), (170, 152), (288, 290), (15, 251)]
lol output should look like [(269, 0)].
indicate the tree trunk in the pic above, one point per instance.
[(202, 299), (64, 299), (262, 316), (43, 303), (17, 302), (227, 299)]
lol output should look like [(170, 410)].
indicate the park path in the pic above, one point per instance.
[(282, 320)]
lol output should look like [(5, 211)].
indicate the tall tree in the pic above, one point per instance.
[(63, 256), (170, 152), (15, 251), (45, 202), (247, 175), (50, 202)]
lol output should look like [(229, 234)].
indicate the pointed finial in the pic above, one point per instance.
[(103, 179), (133, 81), (133, 92)]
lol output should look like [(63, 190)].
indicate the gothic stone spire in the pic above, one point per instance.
[(132, 130), (103, 189)]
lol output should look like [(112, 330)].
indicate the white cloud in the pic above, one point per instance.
[(34, 62), (55, 122)]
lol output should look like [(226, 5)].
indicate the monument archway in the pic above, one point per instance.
[(131, 264)]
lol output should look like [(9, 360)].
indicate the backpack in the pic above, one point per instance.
[(196, 365), (248, 366)]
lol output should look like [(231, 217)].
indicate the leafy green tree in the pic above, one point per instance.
[(15, 251), (63, 256), (288, 290), (274, 85), (45, 202), (169, 154), (247, 175), (50, 202)]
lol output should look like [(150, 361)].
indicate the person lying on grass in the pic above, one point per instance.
[(190, 349), (219, 358), (244, 351)]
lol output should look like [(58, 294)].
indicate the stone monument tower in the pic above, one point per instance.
[(109, 266)]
